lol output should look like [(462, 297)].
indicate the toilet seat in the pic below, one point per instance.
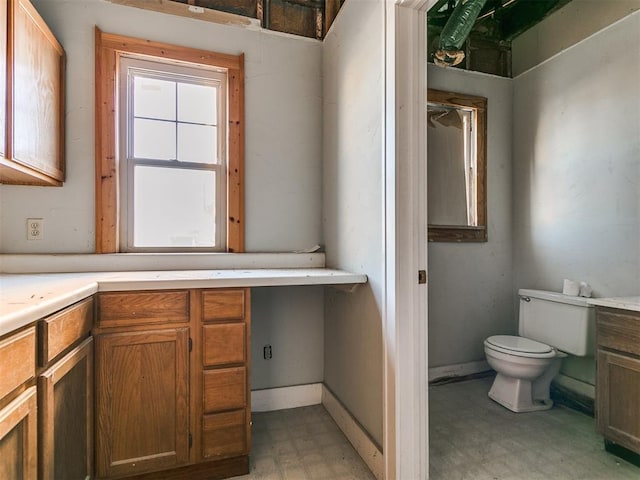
[(519, 346)]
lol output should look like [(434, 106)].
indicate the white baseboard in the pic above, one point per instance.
[(582, 388), (458, 370), (271, 399), (354, 432)]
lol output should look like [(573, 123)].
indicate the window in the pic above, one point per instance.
[(456, 167), (169, 147)]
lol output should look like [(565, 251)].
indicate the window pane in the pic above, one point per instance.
[(174, 207), (197, 143), (154, 98), (154, 139), (197, 103)]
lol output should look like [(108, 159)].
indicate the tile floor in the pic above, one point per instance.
[(302, 444), (474, 438)]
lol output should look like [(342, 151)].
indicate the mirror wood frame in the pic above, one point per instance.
[(464, 233)]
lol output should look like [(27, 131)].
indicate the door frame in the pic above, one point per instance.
[(406, 407)]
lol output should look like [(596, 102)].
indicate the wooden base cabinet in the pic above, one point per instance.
[(172, 384), (19, 438), (142, 401), (618, 377), (66, 416)]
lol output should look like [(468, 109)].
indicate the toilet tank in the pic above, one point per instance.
[(562, 321)]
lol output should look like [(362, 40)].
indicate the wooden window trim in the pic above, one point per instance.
[(460, 233), (109, 48)]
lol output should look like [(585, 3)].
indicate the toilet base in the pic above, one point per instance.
[(516, 395)]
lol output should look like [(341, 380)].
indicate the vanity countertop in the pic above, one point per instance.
[(623, 303), (24, 298)]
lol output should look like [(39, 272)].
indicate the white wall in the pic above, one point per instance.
[(470, 284), (577, 169), (283, 128), (577, 20), (353, 66), (283, 163)]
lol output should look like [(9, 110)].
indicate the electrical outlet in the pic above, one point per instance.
[(35, 228), (267, 352)]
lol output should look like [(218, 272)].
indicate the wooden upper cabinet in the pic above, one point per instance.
[(34, 116)]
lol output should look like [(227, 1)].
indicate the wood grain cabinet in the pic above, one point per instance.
[(142, 382), (18, 406), (618, 379), (32, 117), (226, 411), (172, 384), (65, 393)]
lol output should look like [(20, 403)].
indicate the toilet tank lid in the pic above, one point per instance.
[(554, 297)]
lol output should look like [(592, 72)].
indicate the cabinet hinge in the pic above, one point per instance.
[(190, 440), (422, 276), (190, 344)]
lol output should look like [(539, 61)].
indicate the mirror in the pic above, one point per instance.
[(456, 167)]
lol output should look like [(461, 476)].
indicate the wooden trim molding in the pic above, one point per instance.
[(109, 48), (464, 233)]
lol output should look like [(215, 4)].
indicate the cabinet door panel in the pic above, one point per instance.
[(65, 416), (225, 389), (224, 343), (223, 305), (18, 360), (38, 68), (142, 308), (3, 77), (618, 399), (18, 438), (224, 434), (141, 401)]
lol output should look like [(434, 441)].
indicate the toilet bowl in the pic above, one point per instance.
[(524, 370), (550, 326)]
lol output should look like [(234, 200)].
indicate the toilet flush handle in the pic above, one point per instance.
[(526, 299)]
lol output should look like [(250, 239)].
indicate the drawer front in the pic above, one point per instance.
[(618, 330), (224, 343), (223, 305), (225, 389), (143, 308), (58, 332), (18, 360), (224, 434)]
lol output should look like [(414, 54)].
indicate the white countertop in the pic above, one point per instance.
[(25, 298), (623, 303)]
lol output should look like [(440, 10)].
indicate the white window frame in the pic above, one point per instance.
[(131, 66)]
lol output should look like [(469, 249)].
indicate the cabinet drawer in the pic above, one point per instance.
[(225, 389), (143, 308), (223, 305), (58, 332), (224, 434), (18, 360), (224, 343), (618, 330)]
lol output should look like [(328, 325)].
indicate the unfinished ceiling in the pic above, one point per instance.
[(308, 18), (488, 47)]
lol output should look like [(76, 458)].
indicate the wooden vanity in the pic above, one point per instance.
[(618, 377)]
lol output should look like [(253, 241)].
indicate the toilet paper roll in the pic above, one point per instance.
[(569, 287), (585, 290)]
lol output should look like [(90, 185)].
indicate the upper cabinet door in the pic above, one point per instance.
[(3, 77), (38, 100)]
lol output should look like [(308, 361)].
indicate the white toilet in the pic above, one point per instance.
[(550, 325)]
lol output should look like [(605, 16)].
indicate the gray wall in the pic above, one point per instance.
[(470, 284), (353, 66), (577, 169), (577, 20), (283, 163)]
